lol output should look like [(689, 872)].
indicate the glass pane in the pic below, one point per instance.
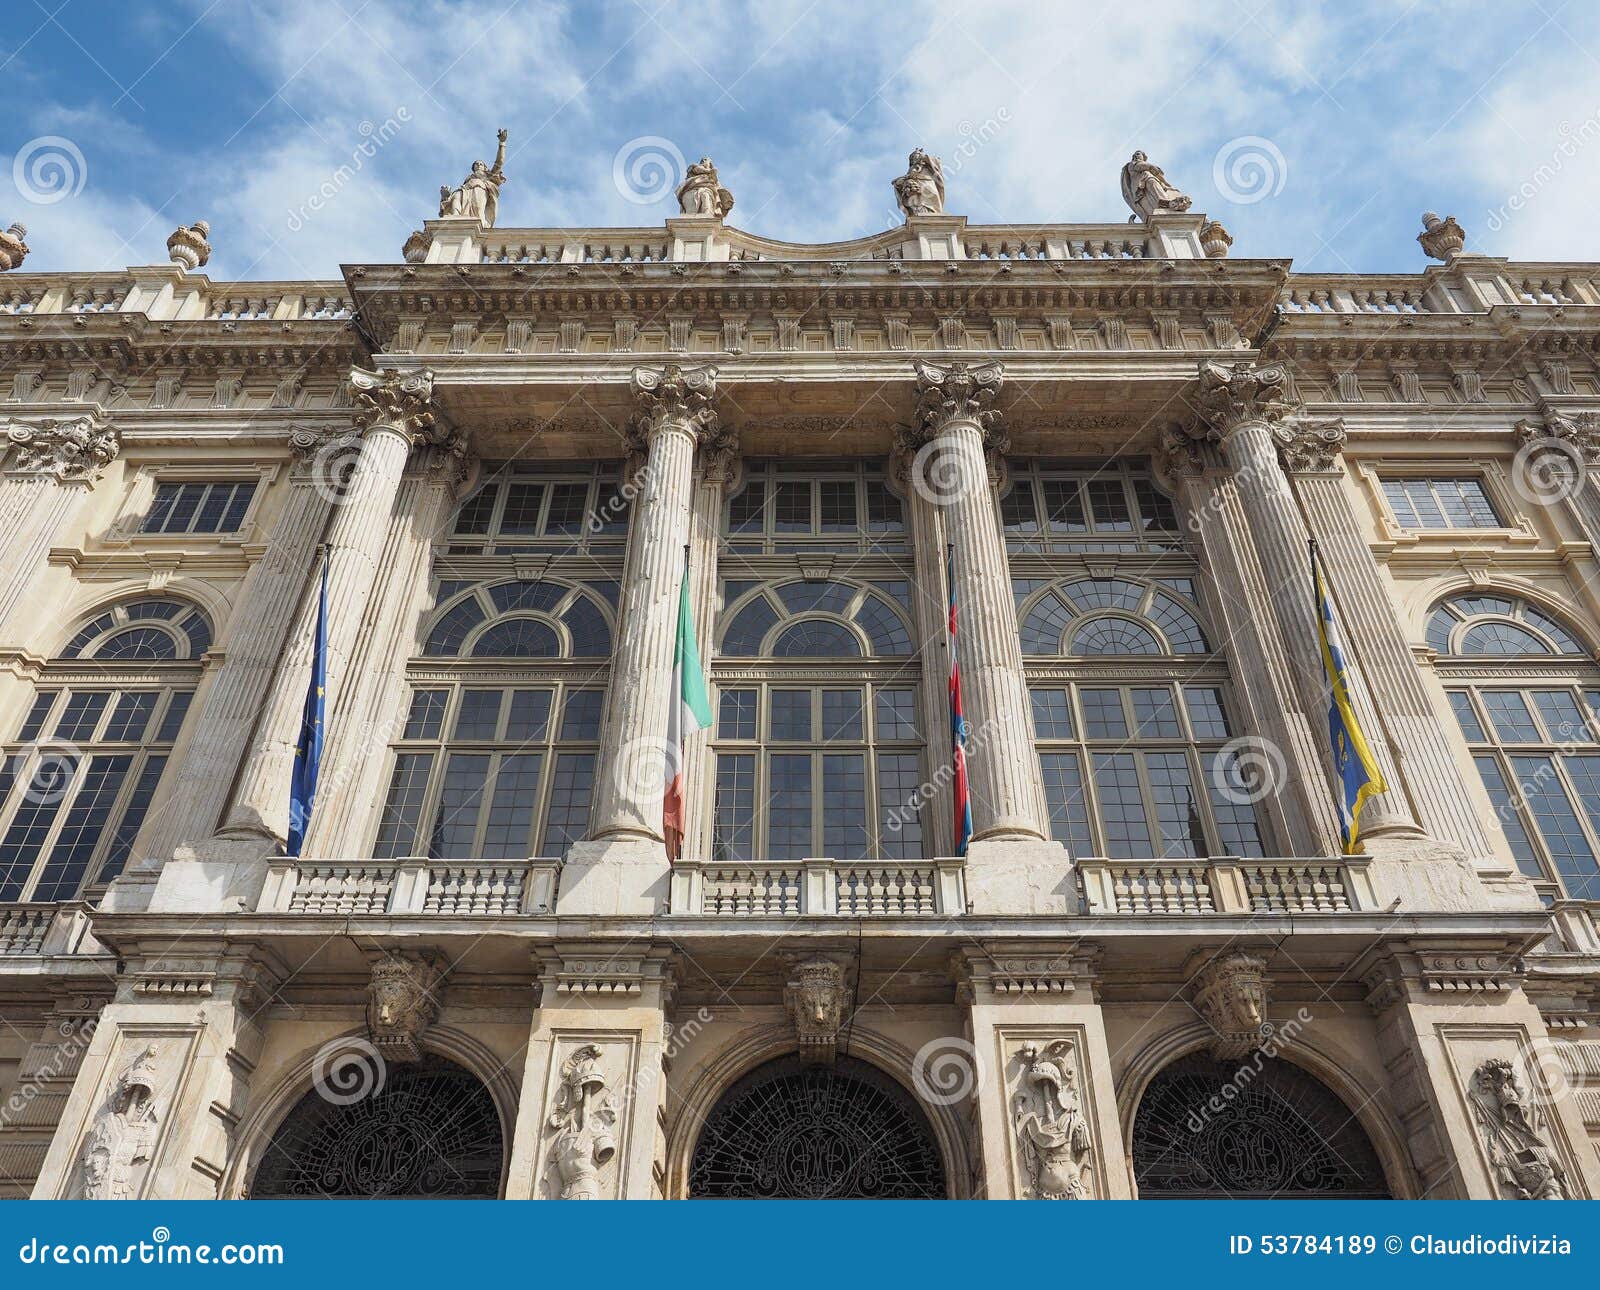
[(897, 714), (1231, 804), (1018, 509), (884, 512), (1505, 810), (1109, 505), (1564, 721), (238, 505), (508, 833), (1177, 809), (1102, 714), (569, 802), (1552, 811), (34, 722), (529, 721), (177, 709), (844, 806), (1583, 769), (1207, 718), (1471, 728), (581, 719), (842, 717), (1510, 716), (1155, 507), (1154, 714), (1063, 505), (1122, 815), (426, 717), (456, 827), (25, 837), (479, 714), (166, 497), (212, 509), (81, 714), (1052, 714), (736, 714), (789, 807), (1069, 812), (131, 715), (790, 718), (837, 499), (522, 509), (408, 786), (900, 806), (63, 873), (569, 503), (791, 508), (132, 818), (746, 511), (732, 830)]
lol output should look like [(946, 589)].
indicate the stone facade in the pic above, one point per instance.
[(505, 470)]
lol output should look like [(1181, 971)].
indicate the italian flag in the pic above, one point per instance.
[(690, 711)]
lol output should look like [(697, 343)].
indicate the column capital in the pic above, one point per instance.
[(1575, 435), (393, 400), (957, 391), (1310, 447), (719, 456), (1230, 395), (673, 396), (69, 450)]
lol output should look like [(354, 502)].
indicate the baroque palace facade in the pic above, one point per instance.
[(1152, 974)]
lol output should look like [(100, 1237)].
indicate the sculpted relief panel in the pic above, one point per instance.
[(1054, 1147), (125, 1129), (582, 1131)]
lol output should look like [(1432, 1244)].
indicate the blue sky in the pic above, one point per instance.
[(1360, 115)]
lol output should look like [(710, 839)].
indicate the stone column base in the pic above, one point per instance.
[(1026, 876), (224, 874), (615, 876)]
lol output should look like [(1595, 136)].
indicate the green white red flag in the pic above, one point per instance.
[(690, 710)]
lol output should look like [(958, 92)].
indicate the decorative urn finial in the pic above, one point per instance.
[(13, 250), (187, 247), (1442, 239)]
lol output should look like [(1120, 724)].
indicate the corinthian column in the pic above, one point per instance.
[(394, 415), (54, 464), (1241, 407), (1012, 868), (622, 868)]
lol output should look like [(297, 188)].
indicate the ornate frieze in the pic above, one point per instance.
[(71, 450), (816, 997), (1525, 1166), (1054, 1146), (402, 1002), (1230, 994)]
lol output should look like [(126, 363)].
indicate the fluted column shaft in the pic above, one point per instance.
[(194, 796), (958, 423), (393, 415), (675, 408), (1240, 406)]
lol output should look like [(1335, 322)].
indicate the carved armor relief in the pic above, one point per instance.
[(585, 1123), (1511, 1099), (1051, 1119), (121, 1140)]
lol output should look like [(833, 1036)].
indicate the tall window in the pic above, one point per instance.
[(79, 776), (1532, 735), (807, 766), (497, 756), (551, 509)]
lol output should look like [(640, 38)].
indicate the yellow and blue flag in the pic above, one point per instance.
[(308, 748), (1353, 762)]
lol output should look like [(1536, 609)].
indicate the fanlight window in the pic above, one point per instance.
[(1097, 616), (816, 620), (143, 630), (1498, 625), (520, 620)]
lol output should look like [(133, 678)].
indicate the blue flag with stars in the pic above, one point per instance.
[(308, 748)]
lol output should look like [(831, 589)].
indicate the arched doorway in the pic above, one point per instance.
[(1260, 1129), (431, 1131), (793, 1131)]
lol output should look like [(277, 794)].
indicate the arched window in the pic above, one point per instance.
[(521, 620), (1261, 1129), (79, 776), (427, 1131), (1090, 616), (806, 766), (1532, 730)]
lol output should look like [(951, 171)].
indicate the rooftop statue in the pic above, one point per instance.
[(478, 197), (1147, 192), (701, 192), (920, 191)]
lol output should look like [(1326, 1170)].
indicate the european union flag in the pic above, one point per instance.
[(308, 748), (1353, 762)]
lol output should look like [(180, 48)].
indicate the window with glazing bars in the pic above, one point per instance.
[(1112, 507), (796, 506), (1441, 504), (76, 783), (199, 508), (553, 509)]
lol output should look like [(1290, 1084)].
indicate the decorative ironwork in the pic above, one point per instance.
[(1262, 1129), (793, 1131), (431, 1131)]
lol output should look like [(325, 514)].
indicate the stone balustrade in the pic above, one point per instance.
[(42, 930), (414, 885), (819, 887), (1226, 885)]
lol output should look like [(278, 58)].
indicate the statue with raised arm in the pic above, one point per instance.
[(920, 191), (478, 197), (701, 192), (1147, 192)]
